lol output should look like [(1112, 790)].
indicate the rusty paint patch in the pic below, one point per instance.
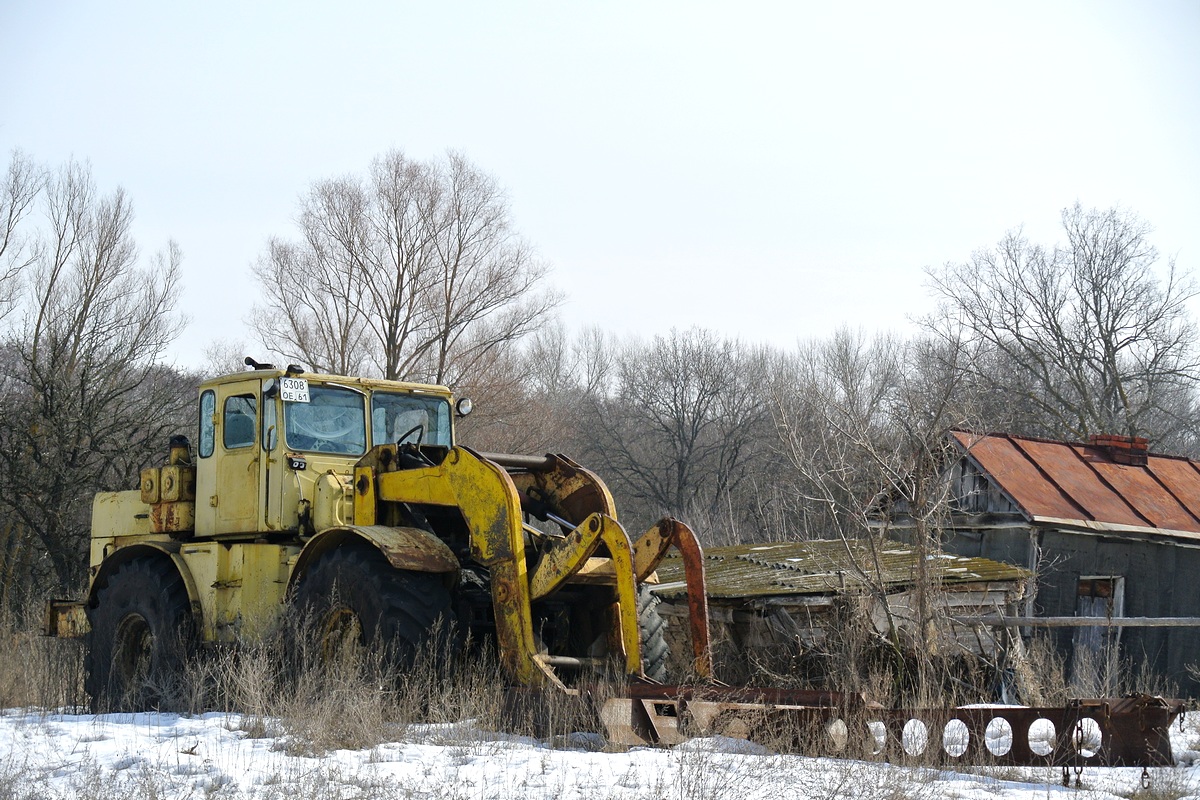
[(415, 550), (696, 581), (173, 517), (404, 548)]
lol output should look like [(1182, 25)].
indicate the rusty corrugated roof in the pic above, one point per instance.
[(824, 567), (1067, 482)]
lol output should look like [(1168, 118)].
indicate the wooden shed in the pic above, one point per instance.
[(1110, 530), (770, 604)]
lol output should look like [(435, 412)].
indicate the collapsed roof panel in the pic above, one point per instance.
[(828, 566)]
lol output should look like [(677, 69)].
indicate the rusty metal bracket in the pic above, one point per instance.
[(649, 550)]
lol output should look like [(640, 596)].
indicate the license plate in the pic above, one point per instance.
[(294, 390)]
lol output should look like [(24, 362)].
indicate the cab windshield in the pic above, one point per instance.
[(419, 419), (332, 421)]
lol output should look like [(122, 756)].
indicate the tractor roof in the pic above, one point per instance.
[(344, 380)]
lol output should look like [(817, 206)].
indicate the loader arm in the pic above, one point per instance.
[(493, 492), (562, 487), (491, 509), (490, 504), (567, 555)]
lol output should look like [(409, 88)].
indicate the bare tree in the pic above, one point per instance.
[(414, 272), (683, 424), (531, 396), (84, 399), (224, 356), (1086, 333), (594, 353), (19, 189), (311, 312), (863, 424), (832, 412)]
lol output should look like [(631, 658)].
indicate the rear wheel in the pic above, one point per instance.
[(142, 632), (353, 597), (652, 629)]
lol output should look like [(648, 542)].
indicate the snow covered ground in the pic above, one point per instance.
[(210, 756)]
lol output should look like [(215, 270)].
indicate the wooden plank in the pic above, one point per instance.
[(1081, 622), (951, 599)]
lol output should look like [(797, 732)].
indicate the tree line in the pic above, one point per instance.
[(415, 270)]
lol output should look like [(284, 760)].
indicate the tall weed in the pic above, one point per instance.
[(37, 671)]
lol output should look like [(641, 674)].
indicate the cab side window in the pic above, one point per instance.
[(270, 427), (208, 410), (240, 421)]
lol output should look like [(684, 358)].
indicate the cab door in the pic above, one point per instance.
[(229, 475), (282, 488)]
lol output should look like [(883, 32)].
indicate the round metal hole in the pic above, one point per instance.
[(915, 737), (838, 735), (998, 735), (1086, 737), (1041, 737), (956, 737), (878, 733)]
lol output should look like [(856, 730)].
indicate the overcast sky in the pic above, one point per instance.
[(767, 170)]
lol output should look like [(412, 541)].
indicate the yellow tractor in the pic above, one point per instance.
[(348, 500)]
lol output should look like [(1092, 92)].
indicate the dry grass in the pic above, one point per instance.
[(1043, 677), (276, 689), (346, 706), (37, 671)]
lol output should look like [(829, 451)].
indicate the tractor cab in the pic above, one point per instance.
[(277, 449)]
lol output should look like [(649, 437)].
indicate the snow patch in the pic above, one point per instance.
[(206, 756)]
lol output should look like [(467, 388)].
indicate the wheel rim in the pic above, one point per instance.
[(341, 633), (133, 651)]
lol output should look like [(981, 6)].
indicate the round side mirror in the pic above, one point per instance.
[(463, 406)]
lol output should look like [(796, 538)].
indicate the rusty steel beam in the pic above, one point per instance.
[(1110, 732)]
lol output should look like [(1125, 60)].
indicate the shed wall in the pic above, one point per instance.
[(1162, 579)]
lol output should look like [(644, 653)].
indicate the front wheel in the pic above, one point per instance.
[(354, 597), (142, 632)]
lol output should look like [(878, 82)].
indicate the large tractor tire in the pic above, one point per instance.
[(652, 627), (142, 633), (352, 597)]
